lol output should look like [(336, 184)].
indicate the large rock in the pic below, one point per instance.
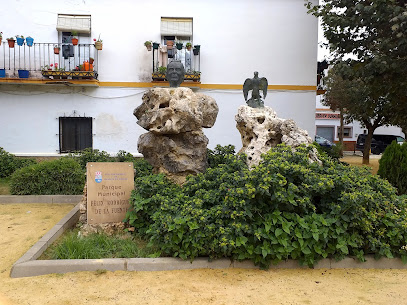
[(175, 110), (261, 129), (175, 144)]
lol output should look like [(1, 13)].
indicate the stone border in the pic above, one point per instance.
[(27, 265), (40, 198)]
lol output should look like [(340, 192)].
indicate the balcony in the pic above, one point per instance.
[(50, 62), (189, 57)]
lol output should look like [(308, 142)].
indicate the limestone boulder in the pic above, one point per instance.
[(175, 155), (261, 129), (175, 110)]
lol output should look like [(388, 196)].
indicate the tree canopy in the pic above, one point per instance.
[(375, 32)]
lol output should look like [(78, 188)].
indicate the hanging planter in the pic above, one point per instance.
[(74, 40), (155, 45), (98, 43), (170, 44), (148, 45), (188, 46), (23, 73), (11, 42), (56, 49), (20, 40), (179, 45), (30, 41)]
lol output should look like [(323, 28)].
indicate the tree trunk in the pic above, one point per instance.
[(368, 143), (341, 133)]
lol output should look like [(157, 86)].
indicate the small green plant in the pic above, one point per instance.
[(74, 33), (62, 176), (148, 43), (162, 70), (90, 155), (393, 166), (10, 163), (188, 45)]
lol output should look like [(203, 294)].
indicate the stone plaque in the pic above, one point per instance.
[(109, 188)]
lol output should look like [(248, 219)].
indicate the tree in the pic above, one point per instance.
[(375, 33), (356, 99)]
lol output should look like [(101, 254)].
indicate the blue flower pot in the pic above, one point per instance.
[(29, 41), (20, 41), (2, 72), (23, 73)]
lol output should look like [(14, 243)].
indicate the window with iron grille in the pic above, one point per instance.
[(75, 133)]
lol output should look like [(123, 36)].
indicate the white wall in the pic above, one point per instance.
[(277, 38)]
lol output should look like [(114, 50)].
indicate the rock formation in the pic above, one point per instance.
[(261, 129), (175, 144)]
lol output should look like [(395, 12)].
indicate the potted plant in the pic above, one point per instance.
[(196, 50), (30, 41), (74, 39), (11, 42), (148, 44), (23, 73), (162, 70), (98, 43), (170, 44), (188, 46), (179, 45), (20, 40), (91, 60), (155, 45), (56, 49)]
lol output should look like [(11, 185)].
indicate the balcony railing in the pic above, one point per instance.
[(190, 58), (49, 60)]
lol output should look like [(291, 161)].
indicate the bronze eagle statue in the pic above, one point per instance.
[(255, 84)]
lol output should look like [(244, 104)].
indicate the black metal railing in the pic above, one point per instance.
[(50, 57), (190, 58)]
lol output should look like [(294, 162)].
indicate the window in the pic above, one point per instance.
[(326, 132), (75, 133), (177, 30), (347, 132)]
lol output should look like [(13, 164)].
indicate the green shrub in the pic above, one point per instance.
[(334, 152), (286, 207), (393, 166), (63, 176), (90, 155), (9, 163)]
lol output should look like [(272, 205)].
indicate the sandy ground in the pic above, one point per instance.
[(22, 225)]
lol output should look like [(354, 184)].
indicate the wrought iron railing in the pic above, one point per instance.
[(49, 60), (190, 58)]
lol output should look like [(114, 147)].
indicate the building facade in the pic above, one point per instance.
[(85, 97)]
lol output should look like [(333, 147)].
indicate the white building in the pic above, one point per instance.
[(327, 123), (42, 116)]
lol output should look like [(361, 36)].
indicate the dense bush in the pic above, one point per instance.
[(63, 176), (284, 208), (9, 163), (393, 166), (334, 152)]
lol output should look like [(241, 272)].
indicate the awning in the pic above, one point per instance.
[(176, 26), (78, 23)]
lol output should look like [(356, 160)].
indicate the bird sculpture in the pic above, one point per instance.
[(255, 84)]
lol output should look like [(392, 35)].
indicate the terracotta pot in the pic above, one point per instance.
[(11, 43), (98, 45), (170, 44), (56, 50), (148, 47), (91, 61), (74, 41)]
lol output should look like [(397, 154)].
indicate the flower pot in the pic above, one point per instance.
[(98, 45), (2, 72), (29, 41), (56, 50), (87, 66), (74, 41), (179, 46), (23, 73), (189, 48), (91, 61), (11, 43), (196, 51), (155, 45), (170, 44), (0, 41), (20, 41), (148, 47)]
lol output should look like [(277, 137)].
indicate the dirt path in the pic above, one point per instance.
[(22, 225)]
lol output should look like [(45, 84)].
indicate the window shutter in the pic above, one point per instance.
[(176, 26), (78, 23)]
